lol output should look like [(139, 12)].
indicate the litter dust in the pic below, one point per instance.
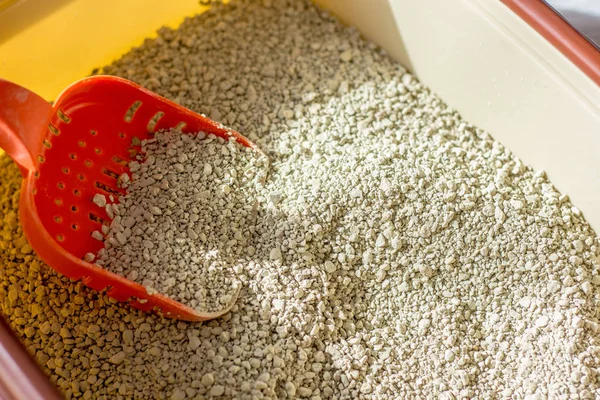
[(397, 251)]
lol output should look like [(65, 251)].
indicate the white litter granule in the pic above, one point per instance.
[(399, 252), (187, 218), (99, 200)]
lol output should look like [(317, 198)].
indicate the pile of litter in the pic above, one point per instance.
[(186, 219), (397, 251)]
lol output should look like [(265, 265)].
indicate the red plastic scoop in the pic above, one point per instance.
[(75, 149)]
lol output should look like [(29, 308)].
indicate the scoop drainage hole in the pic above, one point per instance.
[(106, 188), (110, 173), (154, 120), (118, 160), (132, 153), (131, 110), (55, 131), (95, 218), (63, 117)]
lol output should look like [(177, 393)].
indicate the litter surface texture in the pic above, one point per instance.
[(398, 252)]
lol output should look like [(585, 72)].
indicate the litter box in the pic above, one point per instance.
[(513, 67)]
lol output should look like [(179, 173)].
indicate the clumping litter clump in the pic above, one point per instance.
[(398, 251), (186, 219)]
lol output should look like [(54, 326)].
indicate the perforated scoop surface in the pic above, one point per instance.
[(85, 146)]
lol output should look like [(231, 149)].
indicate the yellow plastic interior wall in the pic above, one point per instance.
[(45, 45)]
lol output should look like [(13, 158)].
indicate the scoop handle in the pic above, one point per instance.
[(23, 123)]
